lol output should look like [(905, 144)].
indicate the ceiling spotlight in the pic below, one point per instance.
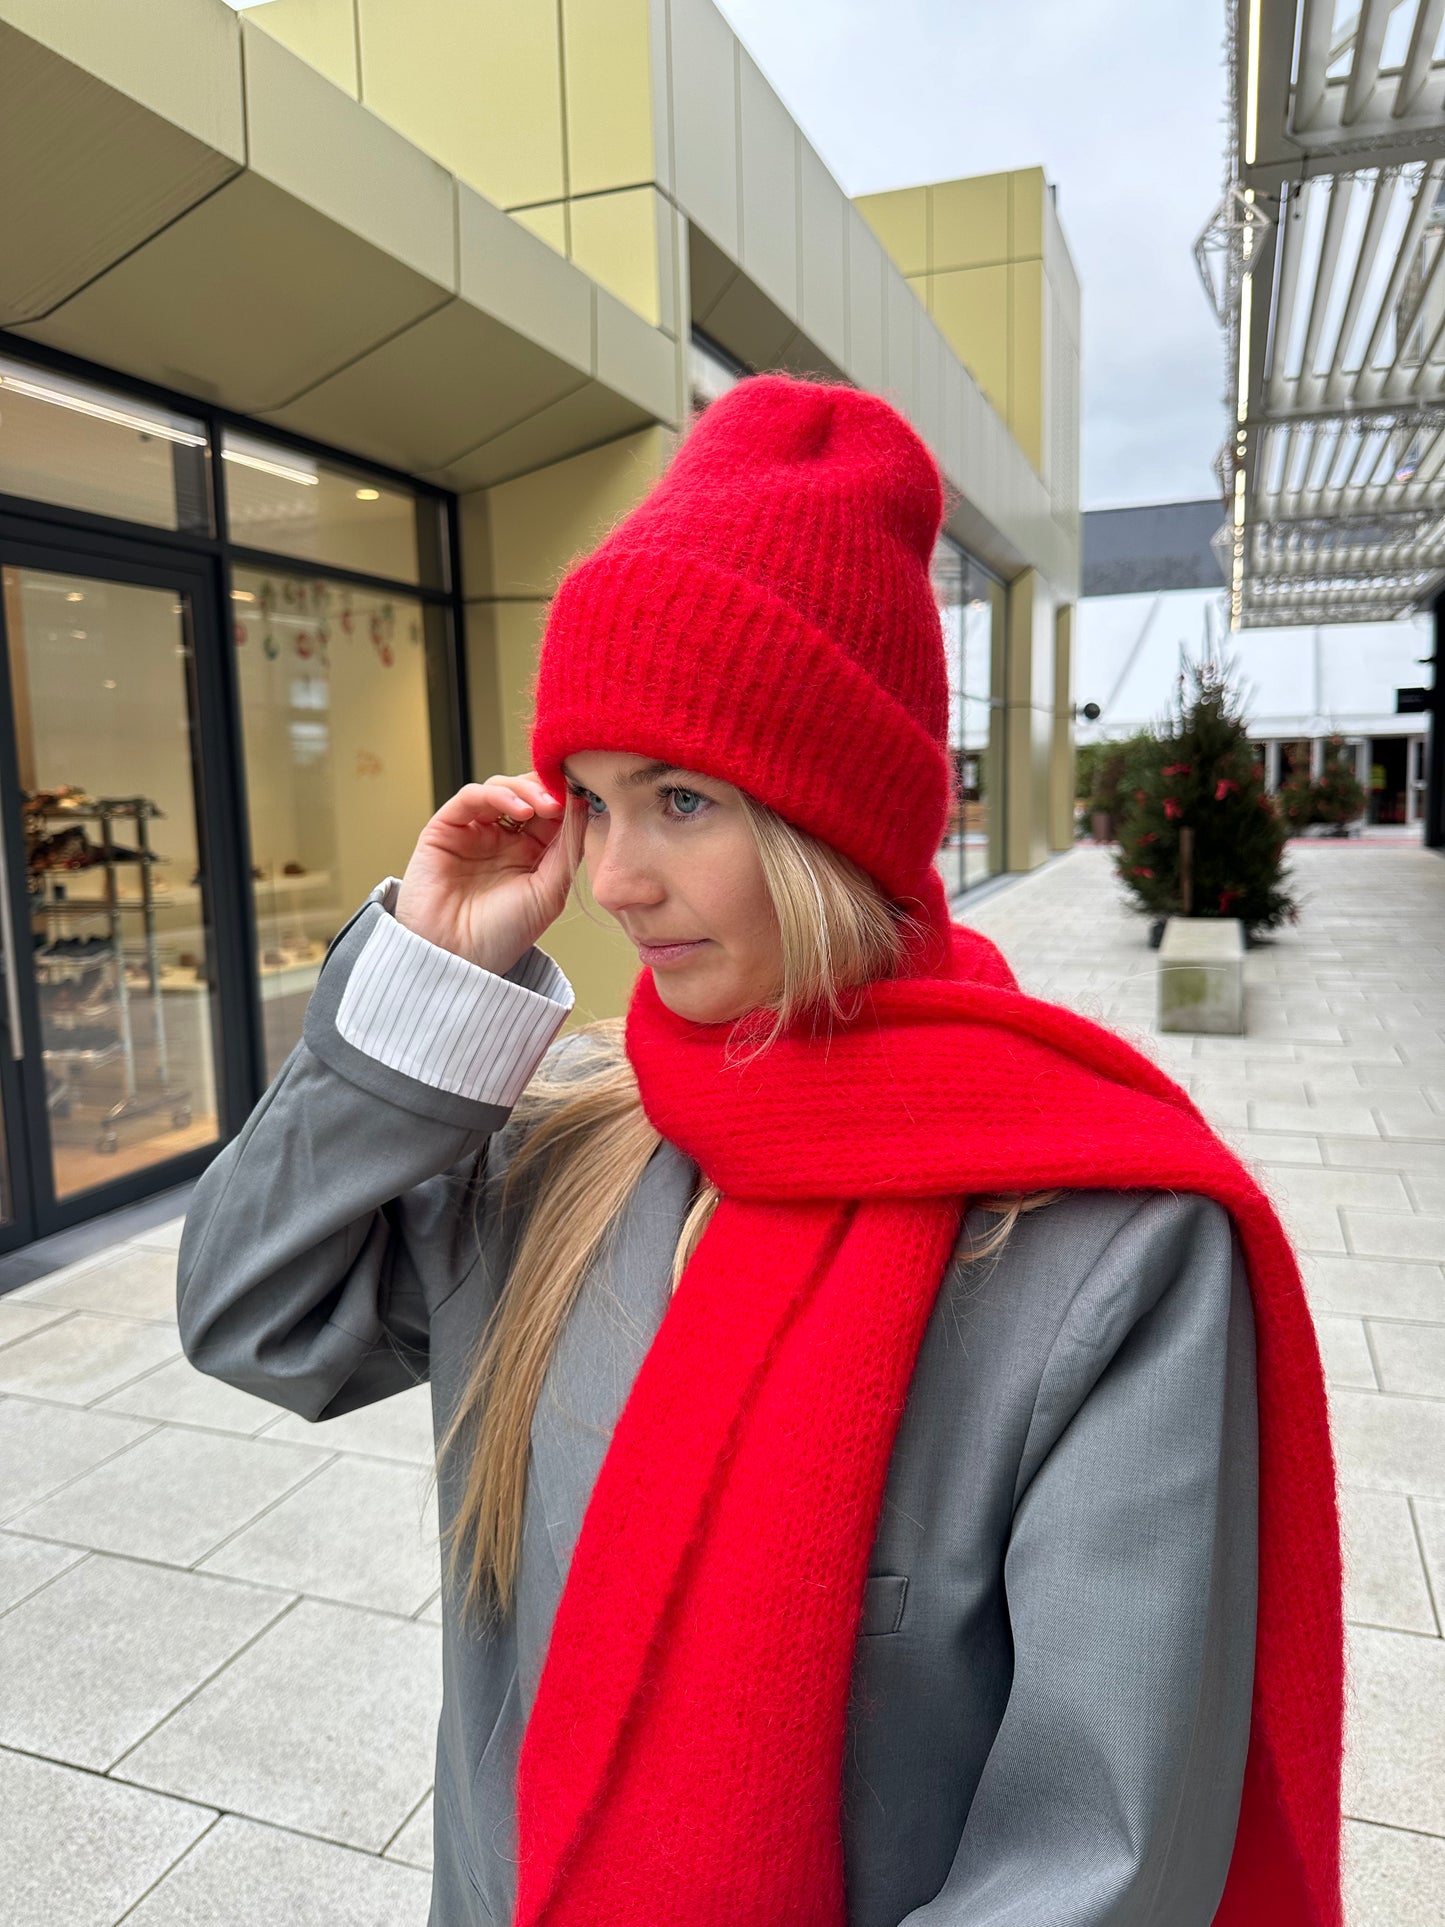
[(368, 495)]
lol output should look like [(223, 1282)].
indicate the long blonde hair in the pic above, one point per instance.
[(585, 1145)]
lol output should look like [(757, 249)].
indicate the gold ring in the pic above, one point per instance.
[(508, 823)]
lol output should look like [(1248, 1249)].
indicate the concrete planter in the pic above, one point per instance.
[(1201, 976)]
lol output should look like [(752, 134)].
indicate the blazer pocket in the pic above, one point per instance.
[(883, 1598)]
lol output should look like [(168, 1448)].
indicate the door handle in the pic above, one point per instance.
[(9, 957)]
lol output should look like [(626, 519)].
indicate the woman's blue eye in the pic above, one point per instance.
[(676, 793), (698, 805)]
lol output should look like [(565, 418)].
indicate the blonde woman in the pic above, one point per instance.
[(881, 1447)]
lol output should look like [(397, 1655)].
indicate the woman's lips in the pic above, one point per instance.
[(654, 954)]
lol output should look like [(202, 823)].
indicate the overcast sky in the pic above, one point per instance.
[(1122, 104)]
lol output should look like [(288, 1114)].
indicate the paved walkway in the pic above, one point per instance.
[(221, 1652), (1337, 1098)]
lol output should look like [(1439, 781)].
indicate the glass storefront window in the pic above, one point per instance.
[(120, 921), (318, 511), (971, 609), (339, 764), (84, 447)]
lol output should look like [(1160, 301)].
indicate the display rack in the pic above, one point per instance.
[(67, 952)]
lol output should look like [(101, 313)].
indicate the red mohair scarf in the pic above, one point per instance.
[(682, 1765)]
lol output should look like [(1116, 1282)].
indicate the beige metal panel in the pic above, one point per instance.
[(507, 273), (968, 222), (548, 220), (430, 395), (1061, 748), (639, 363), (928, 382), (867, 266), (477, 84), (474, 542), (823, 282), (617, 240), (102, 174), (517, 627), (672, 268), (950, 412), (899, 218), (247, 300), (607, 54), (727, 305), (1059, 266), (902, 312), (178, 58), (311, 139), (660, 85), (484, 708), (541, 523), (586, 418), (768, 171), (704, 133), (322, 32)]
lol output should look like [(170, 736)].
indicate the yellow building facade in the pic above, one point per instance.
[(472, 265)]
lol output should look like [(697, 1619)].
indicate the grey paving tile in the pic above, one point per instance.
[(28, 1564), (1374, 1287), (179, 1394), (43, 1447), (326, 1724), (432, 1611), (20, 1320), (1380, 1154), (357, 1533), (1430, 1522), (1374, 1190), (1391, 1234), (77, 1850), (1395, 1756), (173, 1497), (1275, 1147), (1389, 1444), (112, 1646), (84, 1357), (244, 1872), (399, 1427), (1410, 1358), (1345, 1350), (1392, 1879), (168, 1235), (1427, 1190), (1411, 1121), (1338, 1118), (1385, 1582), (1312, 1224), (134, 1281), (414, 1843)]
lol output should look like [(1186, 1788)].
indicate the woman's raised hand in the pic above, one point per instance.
[(479, 889)]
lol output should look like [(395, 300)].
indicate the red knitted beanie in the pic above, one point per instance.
[(765, 616)]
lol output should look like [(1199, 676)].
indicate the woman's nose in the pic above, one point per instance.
[(621, 874)]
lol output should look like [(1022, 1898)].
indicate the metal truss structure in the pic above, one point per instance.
[(1325, 263)]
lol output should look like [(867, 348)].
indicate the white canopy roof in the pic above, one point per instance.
[(1326, 263)]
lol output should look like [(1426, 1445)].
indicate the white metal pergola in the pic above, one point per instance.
[(1325, 262)]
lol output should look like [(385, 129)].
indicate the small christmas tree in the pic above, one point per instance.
[(1203, 776), (1339, 795)]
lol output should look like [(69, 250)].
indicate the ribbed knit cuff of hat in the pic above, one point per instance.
[(670, 655)]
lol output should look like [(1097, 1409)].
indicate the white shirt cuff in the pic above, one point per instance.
[(447, 1022)]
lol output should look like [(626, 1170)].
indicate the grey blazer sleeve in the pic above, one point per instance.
[(320, 1241), (1110, 1797)]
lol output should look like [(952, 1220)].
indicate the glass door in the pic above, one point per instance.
[(110, 1009)]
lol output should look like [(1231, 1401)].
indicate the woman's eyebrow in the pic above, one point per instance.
[(644, 773)]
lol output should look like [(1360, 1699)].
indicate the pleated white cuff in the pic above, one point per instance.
[(449, 1023)]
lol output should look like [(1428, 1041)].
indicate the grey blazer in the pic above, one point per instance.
[(1051, 1687)]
